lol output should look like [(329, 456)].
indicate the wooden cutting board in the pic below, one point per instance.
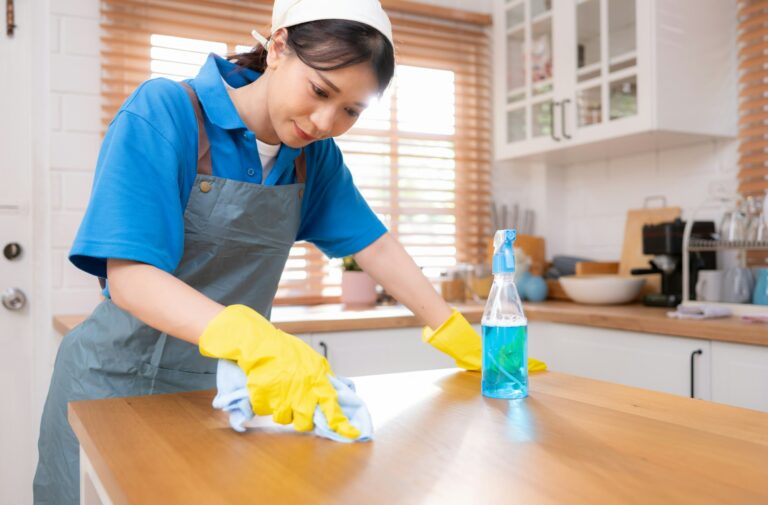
[(632, 250), (534, 246)]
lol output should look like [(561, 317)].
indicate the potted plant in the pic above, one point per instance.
[(358, 289)]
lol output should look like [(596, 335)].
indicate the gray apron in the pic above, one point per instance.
[(237, 237)]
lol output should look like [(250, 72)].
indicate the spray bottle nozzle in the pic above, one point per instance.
[(503, 251)]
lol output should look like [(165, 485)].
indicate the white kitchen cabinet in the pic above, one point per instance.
[(740, 375), (657, 362), (584, 79), (353, 353)]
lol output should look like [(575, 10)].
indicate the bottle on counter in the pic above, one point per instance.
[(505, 327)]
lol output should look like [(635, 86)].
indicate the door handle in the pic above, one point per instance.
[(552, 121), (693, 370), (14, 299), (12, 250), (562, 119)]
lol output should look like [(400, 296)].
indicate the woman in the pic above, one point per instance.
[(200, 191)]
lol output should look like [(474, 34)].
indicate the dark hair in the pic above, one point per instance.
[(329, 44)]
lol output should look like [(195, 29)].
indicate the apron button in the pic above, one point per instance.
[(301, 193), (205, 186)]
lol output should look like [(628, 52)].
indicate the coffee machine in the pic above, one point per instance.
[(664, 241)]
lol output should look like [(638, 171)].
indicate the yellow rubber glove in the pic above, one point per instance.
[(456, 338), (535, 365), (285, 376)]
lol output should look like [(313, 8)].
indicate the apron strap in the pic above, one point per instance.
[(300, 165), (204, 166)]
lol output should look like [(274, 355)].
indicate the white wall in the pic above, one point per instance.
[(581, 208), (75, 111)]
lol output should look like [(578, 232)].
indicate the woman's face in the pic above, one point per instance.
[(305, 104)]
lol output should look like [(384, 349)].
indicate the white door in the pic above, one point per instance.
[(17, 428)]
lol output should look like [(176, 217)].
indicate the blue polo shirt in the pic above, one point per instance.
[(148, 163)]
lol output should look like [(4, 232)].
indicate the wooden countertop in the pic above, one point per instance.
[(322, 318), (437, 440)]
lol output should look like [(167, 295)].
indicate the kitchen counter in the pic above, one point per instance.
[(437, 440), (323, 318)]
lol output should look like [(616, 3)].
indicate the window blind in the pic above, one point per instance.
[(420, 155), (753, 96)]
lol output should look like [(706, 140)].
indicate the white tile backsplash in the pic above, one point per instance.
[(76, 190), (80, 36), (82, 113), (598, 194), (64, 225), (54, 33), (58, 257), (76, 300), (75, 74), (55, 191), (54, 103), (74, 150), (77, 8)]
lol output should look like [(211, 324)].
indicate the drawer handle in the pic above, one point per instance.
[(563, 128), (324, 347), (553, 105), (693, 355)]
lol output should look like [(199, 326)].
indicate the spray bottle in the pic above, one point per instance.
[(505, 327)]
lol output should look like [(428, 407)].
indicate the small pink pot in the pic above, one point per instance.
[(358, 289)]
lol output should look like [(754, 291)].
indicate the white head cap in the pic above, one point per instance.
[(287, 13)]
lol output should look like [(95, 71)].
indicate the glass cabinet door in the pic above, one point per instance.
[(529, 56), (606, 61)]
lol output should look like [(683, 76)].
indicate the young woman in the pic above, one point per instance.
[(200, 191)]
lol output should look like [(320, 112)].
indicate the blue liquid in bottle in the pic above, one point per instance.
[(505, 328), (505, 362)]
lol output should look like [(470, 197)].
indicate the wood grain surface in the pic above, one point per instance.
[(438, 441), (634, 317)]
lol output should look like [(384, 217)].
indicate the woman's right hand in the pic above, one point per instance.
[(286, 377)]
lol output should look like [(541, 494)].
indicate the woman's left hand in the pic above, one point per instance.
[(457, 339)]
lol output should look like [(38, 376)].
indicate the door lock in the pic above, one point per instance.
[(12, 251), (14, 299)]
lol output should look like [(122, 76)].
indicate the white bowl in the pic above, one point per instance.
[(601, 289)]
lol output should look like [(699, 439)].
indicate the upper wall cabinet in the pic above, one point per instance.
[(584, 79)]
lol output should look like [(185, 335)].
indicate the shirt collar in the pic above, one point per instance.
[(213, 94), (220, 110)]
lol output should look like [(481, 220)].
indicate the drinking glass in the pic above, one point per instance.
[(732, 226)]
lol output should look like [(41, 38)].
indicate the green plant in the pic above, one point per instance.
[(349, 264)]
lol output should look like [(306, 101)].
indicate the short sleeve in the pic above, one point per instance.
[(335, 216), (135, 211)]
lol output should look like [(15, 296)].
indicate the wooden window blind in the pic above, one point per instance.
[(420, 156), (753, 96)]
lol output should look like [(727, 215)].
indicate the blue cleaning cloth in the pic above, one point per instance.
[(232, 397)]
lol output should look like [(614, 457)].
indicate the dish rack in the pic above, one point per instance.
[(696, 245)]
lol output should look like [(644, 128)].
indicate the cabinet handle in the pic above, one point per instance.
[(324, 347), (562, 118), (552, 121), (693, 355)]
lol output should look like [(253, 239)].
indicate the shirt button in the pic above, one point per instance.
[(251, 172), (205, 186)]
